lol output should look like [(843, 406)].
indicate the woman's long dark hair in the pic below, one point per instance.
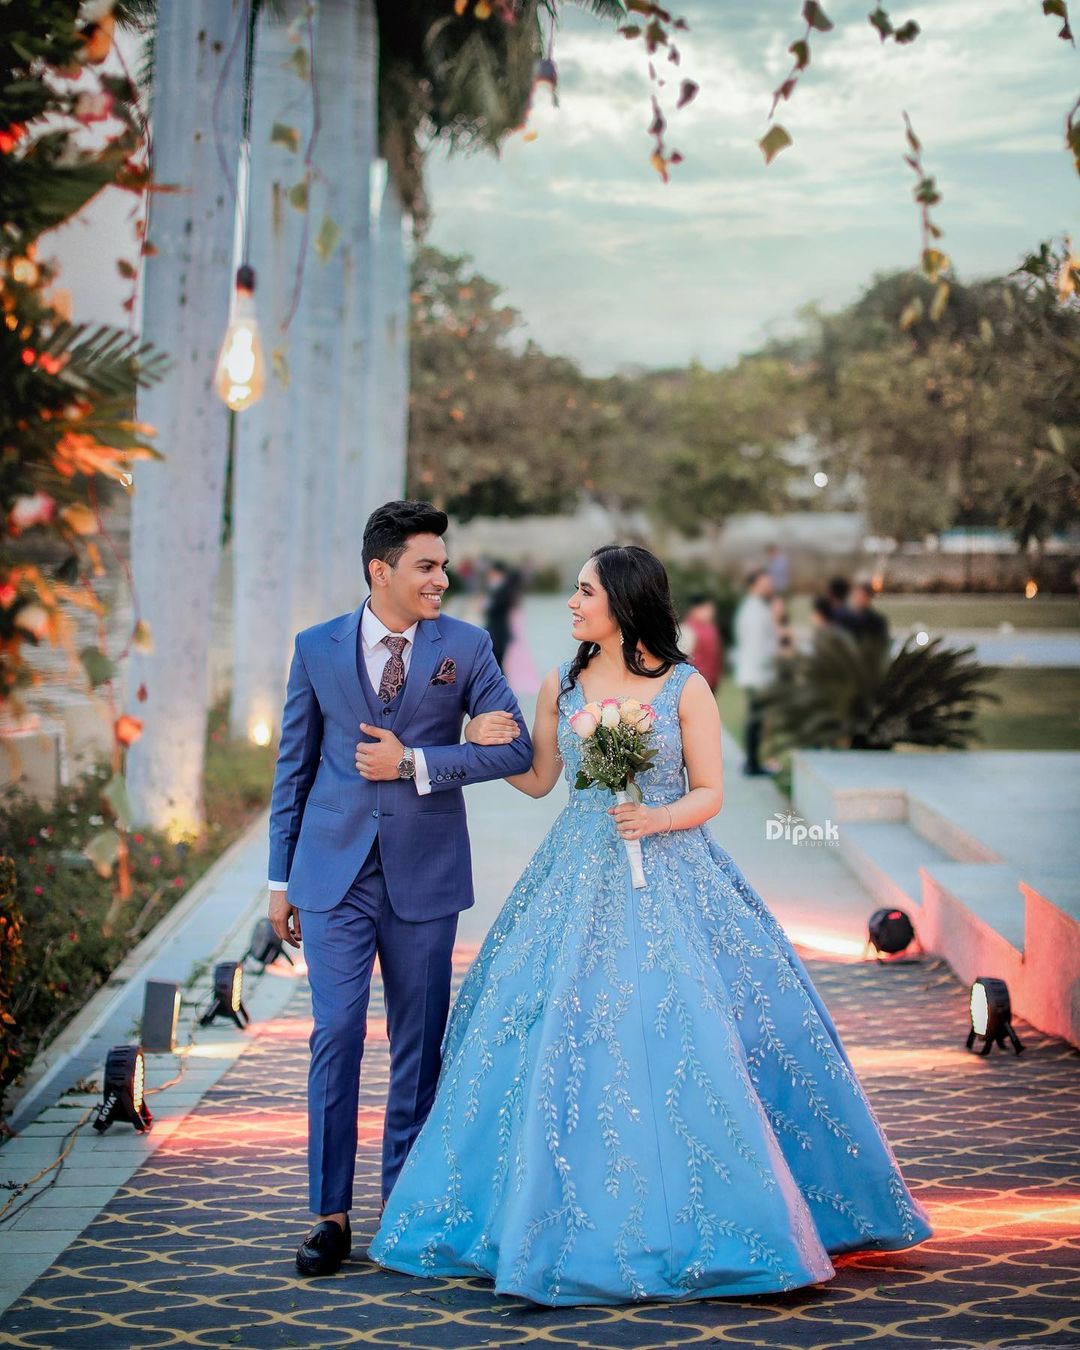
[(639, 597)]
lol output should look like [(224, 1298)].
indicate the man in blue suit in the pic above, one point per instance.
[(369, 845)]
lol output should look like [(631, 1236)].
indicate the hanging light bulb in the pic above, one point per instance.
[(241, 369), (546, 79)]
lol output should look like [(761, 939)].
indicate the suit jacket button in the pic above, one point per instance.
[(375, 815)]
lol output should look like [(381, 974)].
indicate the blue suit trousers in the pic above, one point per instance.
[(416, 960)]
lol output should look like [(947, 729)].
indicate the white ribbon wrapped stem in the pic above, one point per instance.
[(633, 847)]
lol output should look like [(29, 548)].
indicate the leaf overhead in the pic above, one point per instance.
[(774, 140), (816, 17)]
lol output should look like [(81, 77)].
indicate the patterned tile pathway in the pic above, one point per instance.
[(196, 1249)]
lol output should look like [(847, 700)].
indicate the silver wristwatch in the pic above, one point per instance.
[(406, 764)]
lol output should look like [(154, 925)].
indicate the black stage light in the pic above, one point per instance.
[(266, 946), (161, 1010), (228, 995), (991, 1015), (891, 931), (125, 1082)]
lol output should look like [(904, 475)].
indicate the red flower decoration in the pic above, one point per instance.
[(30, 510), (10, 136), (128, 729)]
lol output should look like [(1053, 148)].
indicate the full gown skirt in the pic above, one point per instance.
[(642, 1094)]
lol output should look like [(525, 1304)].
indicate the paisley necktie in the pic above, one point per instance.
[(393, 676)]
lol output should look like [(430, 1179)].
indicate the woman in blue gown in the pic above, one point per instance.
[(642, 1094)]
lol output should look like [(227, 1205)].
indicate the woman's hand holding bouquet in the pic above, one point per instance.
[(615, 750)]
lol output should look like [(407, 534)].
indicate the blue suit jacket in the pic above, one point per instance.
[(324, 816)]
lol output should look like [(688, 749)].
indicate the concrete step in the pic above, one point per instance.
[(946, 835), (990, 892), (886, 856)]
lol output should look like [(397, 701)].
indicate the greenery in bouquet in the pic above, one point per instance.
[(615, 735)]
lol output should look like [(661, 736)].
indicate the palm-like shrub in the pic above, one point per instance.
[(855, 694)]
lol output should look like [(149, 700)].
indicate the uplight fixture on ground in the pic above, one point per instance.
[(890, 933), (241, 369), (228, 995), (991, 1016), (266, 946), (161, 1012), (125, 1083)]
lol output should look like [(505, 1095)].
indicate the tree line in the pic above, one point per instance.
[(923, 418)]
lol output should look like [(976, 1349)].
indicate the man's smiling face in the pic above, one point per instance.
[(414, 587)]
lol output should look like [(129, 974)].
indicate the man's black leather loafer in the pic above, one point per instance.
[(324, 1248)]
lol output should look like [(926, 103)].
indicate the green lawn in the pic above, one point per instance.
[(1040, 710), (966, 611), (732, 703)]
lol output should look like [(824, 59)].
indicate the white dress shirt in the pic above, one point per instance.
[(755, 643), (376, 655)]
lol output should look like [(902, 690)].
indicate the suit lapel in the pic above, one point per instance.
[(343, 660), (421, 668)]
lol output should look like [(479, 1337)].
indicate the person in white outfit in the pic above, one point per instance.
[(756, 643)]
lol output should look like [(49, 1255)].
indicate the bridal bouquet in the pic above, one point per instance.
[(615, 749)]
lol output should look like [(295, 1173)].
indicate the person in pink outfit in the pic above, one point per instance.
[(707, 646)]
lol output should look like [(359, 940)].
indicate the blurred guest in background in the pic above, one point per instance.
[(756, 643), (821, 611), (704, 643), (502, 589), (785, 634), (861, 619), (778, 568), (837, 591)]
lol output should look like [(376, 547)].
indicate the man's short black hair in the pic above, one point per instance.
[(839, 588), (389, 529)]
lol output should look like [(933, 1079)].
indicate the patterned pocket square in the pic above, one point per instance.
[(447, 672)]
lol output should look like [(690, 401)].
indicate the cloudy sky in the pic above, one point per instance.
[(612, 267), (609, 265)]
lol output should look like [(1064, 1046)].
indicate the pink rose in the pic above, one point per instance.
[(610, 713), (630, 711), (33, 619), (593, 709), (647, 720), (28, 511), (94, 107), (583, 724)]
